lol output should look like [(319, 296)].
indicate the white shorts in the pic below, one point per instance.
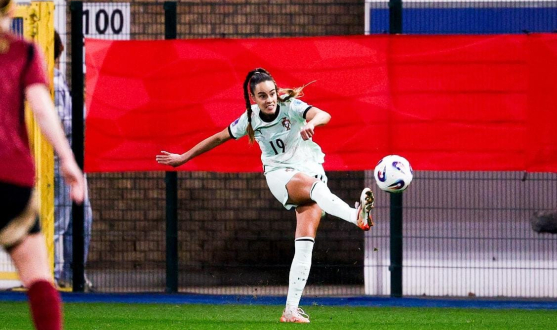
[(278, 177)]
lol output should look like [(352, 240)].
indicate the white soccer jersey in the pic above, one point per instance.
[(279, 140)]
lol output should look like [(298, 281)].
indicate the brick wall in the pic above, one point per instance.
[(231, 229), (240, 19)]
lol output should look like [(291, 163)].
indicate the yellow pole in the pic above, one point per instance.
[(43, 26), (39, 27)]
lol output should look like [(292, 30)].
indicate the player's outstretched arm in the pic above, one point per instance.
[(175, 160), (49, 123)]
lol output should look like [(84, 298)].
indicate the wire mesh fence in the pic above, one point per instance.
[(470, 234), (465, 233)]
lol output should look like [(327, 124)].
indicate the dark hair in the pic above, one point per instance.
[(58, 46), (255, 77), (4, 6)]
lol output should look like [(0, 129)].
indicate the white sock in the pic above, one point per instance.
[(331, 204), (299, 271)]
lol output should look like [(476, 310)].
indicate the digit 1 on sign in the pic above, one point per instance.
[(103, 21), (86, 21)]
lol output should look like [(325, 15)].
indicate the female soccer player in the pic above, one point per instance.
[(283, 126), (22, 76)]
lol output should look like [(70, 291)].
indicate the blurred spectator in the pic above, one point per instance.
[(63, 223)]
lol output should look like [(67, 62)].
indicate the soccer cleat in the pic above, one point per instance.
[(294, 316), (365, 220)]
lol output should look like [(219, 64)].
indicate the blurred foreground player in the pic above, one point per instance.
[(23, 76)]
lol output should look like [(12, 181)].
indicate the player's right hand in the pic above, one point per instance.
[(307, 131), (168, 158)]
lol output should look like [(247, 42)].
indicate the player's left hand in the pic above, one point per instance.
[(168, 158), (307, 131)]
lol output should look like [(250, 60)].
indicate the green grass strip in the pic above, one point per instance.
[(97, 316)]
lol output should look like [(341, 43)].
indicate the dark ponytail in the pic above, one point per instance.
[(249, 129), (253, 78)]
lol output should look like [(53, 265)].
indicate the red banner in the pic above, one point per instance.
[(464, 103)]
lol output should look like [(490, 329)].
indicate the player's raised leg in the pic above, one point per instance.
[(303, 187)]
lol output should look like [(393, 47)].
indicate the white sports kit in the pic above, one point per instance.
[(283, 151)]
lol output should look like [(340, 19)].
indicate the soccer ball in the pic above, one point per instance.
[(393, 174)]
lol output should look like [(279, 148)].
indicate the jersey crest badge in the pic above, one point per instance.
[(286, 123)]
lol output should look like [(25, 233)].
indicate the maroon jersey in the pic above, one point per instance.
[(21, 65)]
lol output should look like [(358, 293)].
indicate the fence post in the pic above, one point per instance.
[(171, 180), (395, 16), (78, 78), (396, 245), (395, 27)]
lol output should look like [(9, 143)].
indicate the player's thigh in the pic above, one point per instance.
[(31, 259), (299, 187), (292, 187), (277, 181)]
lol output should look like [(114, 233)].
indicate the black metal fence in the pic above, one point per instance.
[(466, 230)]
